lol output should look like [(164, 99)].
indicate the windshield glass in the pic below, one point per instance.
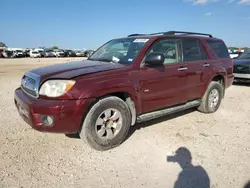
[(120, 50), (245, 55)]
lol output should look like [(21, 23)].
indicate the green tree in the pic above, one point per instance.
[(2, 44), (55, 47), (245, 48), (233, 48)]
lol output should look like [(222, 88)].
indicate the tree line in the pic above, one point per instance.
[(5, 46), (236, 48)]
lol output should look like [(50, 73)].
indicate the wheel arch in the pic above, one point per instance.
[(220, 78), (128, 99), (123, 95)]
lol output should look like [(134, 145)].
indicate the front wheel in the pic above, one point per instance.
[(107, 124), (212, 99)]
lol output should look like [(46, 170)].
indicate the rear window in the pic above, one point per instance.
[(219, 48)]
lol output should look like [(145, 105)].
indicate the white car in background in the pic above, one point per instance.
[(34, 54), (80, 53), (58, 53), (235, 53)]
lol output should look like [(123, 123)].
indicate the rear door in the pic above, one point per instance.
[(164, 85), (199, 69), (221, 58)]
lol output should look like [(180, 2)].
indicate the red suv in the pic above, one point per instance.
[(127, 80)]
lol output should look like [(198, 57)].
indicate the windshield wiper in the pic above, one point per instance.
[(104, 60)]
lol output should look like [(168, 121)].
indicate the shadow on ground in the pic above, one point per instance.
[(137, 127), (75, 136), (191, 176), (133, 129), (247, 185), (242, 84)]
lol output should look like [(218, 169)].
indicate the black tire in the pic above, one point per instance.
[(88, 130), (204, 107)]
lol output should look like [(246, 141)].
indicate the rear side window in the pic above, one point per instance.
[(219, 48), (193, 50)]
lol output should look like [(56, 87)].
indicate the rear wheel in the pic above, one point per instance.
[(212, 99), (106, 124)]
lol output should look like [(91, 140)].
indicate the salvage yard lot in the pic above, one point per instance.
[(219, 142)]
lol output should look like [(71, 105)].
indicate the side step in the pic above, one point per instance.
[(167, 111)]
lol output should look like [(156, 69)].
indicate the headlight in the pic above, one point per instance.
[(56, 88)]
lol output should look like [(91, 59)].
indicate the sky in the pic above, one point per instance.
[(88, 24)]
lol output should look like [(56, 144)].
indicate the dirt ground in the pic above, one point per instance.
[(219, 144)]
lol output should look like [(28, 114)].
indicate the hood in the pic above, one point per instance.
[(242, 61), (73, 69)]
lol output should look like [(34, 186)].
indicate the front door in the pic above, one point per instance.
[(164, 85)]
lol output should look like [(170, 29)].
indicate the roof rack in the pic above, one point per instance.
[(187, 33), (132, 35), (173, 33)]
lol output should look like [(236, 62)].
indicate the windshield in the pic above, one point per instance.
[(119, 50), (245, 55)]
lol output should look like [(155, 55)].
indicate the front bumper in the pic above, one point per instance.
[(244, 76), (241, 77), (67, 114)]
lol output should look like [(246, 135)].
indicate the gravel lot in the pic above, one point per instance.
[(219, 142)]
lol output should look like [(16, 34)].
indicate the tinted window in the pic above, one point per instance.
[(170, 48), (193, 50), (219, 48)]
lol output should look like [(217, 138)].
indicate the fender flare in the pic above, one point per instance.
[(217, 72)]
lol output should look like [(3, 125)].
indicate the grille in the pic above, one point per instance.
[(30, 84), (242, 69)]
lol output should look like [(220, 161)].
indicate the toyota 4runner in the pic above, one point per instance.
[(126, 81)]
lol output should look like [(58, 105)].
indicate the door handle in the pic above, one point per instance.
[(182, 68), (206, 65)]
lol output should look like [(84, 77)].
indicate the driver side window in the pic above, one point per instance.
[(170, 48)]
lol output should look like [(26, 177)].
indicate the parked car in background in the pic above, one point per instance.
[(69, 53), (1, 53), (13, 53), (7, 53), (242, 67), (41, 52), (49, 53), (18, 54), (58, 53), (34, 54), (103, 97), (80, 53), (88, 53), (26, 53), (235, 53)]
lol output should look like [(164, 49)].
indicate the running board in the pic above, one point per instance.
[(167, 111)]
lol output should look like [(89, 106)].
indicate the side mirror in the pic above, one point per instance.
[(155, 59)]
